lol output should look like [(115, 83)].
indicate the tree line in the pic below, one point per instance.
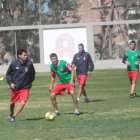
[(31, 12)]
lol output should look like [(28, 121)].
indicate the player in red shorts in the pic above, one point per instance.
[(84, 65), (20, 76), (66, 82), (131, 59)]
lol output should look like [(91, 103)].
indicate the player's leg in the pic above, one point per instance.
[(12, 107), (132, 89), (133, 79), (19, 108), (79, 93), (72, 92), (133, 85), (85, 95), (11, 118), (12, 103), (54, 102), (57, 90), (80, 88), (74, 99), (81, 81), (130, 80), (21, 97), (84, 91), (14, 97)]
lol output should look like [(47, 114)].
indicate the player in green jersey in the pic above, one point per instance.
[(66, 82), (131, 59)]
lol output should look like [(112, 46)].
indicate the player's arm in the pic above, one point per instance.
[(72, 74), (124, 59), (70, 69), (52, 81), (91, 65), (9, 76), (32, 73), (137, 62), (139, 56), (74, 61)]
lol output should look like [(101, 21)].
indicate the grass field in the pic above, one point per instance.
[(110, 114)]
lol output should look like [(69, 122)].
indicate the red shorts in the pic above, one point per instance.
[(19, 95), (61, 87), (82, 79), (133, 75)]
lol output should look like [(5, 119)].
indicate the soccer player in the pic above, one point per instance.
[(84, 66), (66, 82), (20, 76), (131, 59)]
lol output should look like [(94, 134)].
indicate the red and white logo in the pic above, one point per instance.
[(84, 58), (65, 45), (26, 69), (61, 69)]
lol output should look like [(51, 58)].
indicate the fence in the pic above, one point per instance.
[(105, 41)]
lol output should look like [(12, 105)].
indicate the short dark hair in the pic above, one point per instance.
[(132, 42), (20, 51), (53, 55), (81, 44)]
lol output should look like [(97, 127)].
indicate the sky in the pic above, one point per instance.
[(44, 8)]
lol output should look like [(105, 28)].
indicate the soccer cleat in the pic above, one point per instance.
[(77, 112), (57, 113), (11, 119), (86, 100), (134, 94), (131, 96)]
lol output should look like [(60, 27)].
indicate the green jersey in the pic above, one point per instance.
[(132, 57), (63, 70)]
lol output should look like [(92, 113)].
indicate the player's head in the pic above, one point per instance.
[(54, 58), (132, 45), (22, 54), (81, 47)]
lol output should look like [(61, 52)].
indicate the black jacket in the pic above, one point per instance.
[(83, 63), (21, 74)]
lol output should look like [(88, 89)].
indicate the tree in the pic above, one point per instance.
[(61, 11), (20, 12), (106, 34), (132, 12), (104, 43)]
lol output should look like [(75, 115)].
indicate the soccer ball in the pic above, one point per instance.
[(50, 116)]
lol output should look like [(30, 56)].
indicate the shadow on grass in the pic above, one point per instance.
[(34, 119), (138, 96), (135, 97), (96, 100), (81, 113)]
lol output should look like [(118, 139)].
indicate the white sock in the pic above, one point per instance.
[(76, 110), (78, 99)]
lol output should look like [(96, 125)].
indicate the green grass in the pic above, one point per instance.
[(110, 114)]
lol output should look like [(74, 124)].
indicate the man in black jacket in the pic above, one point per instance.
[(20, 76), (84, 66)]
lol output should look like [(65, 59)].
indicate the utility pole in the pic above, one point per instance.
[(39, 12), (15, 33)]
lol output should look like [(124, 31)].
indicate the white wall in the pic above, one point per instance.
[(100, 64)]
